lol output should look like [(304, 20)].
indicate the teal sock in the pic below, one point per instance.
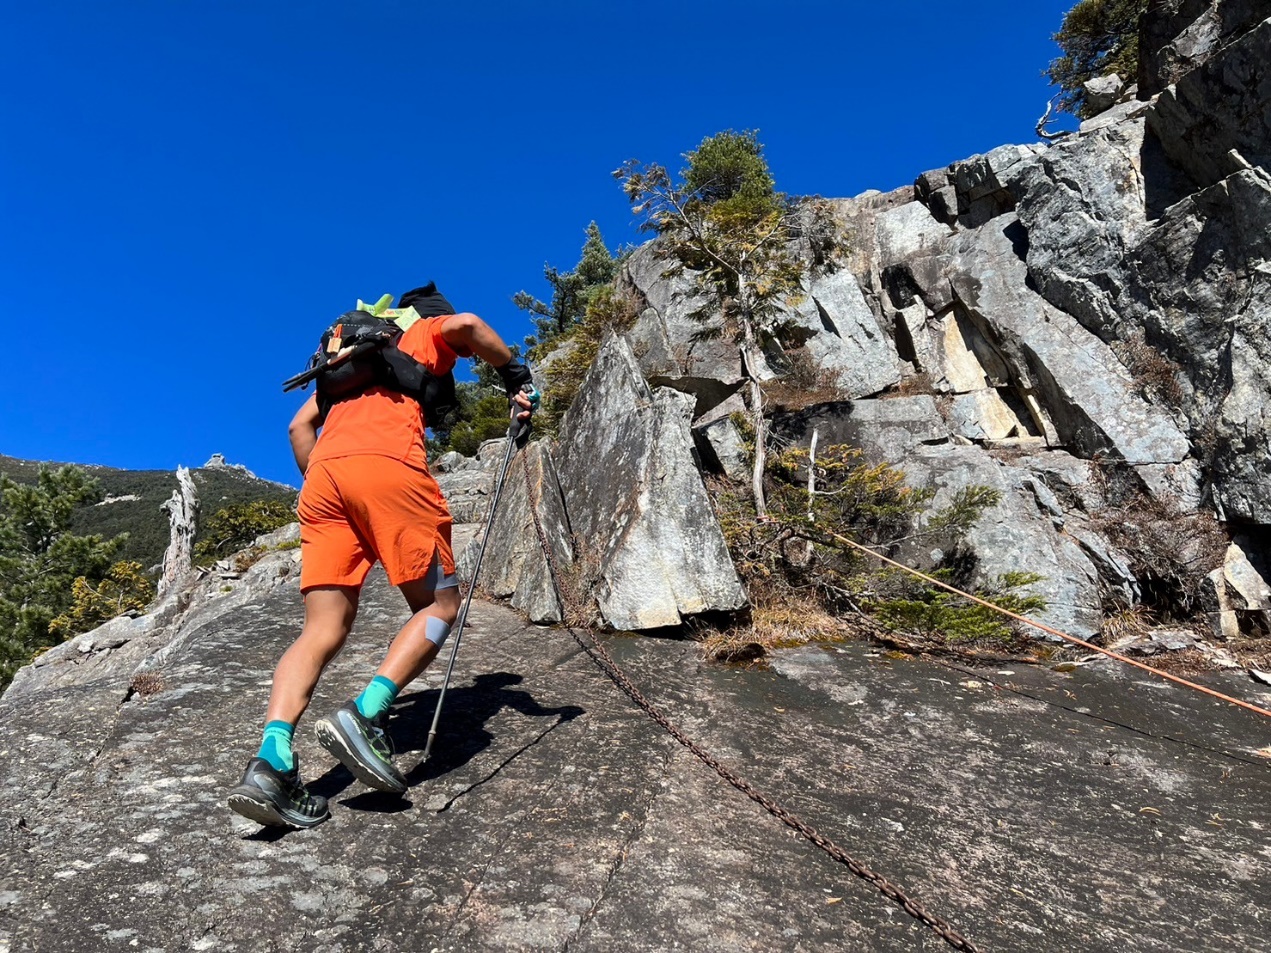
[(377, 697), (275, 746)]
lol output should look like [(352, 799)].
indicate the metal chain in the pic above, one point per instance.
[(598, 654)]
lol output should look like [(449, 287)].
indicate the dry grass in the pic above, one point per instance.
[(1170, 551), (1127, 624), (782, 626), (913, 386), (803, 384), (1252, 652), (146, 684), (247, 558), (1185, 663), (1155, 374)]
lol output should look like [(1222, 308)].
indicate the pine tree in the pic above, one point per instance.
[(1098, 38), (572, 291), (40, 559)]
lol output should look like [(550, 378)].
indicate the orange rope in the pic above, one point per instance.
[(1045, 628)]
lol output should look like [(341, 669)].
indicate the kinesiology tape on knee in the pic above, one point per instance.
[(436, 630)]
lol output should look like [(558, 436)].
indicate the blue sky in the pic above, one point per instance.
[(190, 192)]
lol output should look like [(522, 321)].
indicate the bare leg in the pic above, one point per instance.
[(329, 614), (411, 651)]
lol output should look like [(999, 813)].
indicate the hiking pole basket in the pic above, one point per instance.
[(515, 431)]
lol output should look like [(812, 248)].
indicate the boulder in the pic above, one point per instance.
[(980, 415), (913, 341), (514, 566), (1102, 91), (719, 442), (449, 462), (650, 548), (1017, 535)]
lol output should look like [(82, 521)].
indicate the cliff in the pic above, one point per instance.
[(1081, 325)]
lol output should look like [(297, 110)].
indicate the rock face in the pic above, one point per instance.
[(636, 500), (1082, 325), (516, 569), (553, 814)]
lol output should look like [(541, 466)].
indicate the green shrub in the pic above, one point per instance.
[(607, 311), (928, 611), (797, 557), (41, 559), (572, 292), (237, 525), (124, 589), (484, 418)]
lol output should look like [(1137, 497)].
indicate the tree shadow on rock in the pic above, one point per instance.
[(462, 732)]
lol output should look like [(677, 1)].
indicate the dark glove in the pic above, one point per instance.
[(514, 375), (518, 380)]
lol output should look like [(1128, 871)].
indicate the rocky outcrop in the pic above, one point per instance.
[(1031, 319), (676, 339), (834, 326), (514, 567), (1178, 37), (649, 544)]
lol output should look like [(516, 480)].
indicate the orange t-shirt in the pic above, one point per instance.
[(384, 422)]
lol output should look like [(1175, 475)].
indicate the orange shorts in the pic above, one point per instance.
[(360, 509)]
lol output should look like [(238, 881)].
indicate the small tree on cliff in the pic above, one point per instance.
[(572, 291), (1098, 37), (725, 219)]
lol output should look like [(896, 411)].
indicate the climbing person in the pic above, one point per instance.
[(367, 496)]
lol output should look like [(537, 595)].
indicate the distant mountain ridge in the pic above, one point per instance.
[(133, 499)]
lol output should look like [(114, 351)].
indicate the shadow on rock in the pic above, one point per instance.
[(461, 733)]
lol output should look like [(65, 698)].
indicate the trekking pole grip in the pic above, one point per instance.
[(519, 430)]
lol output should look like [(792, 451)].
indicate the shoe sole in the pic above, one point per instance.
[(333, 739), (263, 812)]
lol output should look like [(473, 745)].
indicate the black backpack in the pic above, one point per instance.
[(373, 361)]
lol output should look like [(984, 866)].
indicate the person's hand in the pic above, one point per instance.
[(523, 400), (527, 399)]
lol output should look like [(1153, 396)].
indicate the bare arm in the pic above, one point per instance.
[(303, 432), (467, 332)]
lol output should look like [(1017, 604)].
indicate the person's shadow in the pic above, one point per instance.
[(461, 734)]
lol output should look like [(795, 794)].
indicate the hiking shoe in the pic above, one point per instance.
[(360, 744), (276, 798)]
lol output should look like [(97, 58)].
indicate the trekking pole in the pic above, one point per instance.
[(515, 430)]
